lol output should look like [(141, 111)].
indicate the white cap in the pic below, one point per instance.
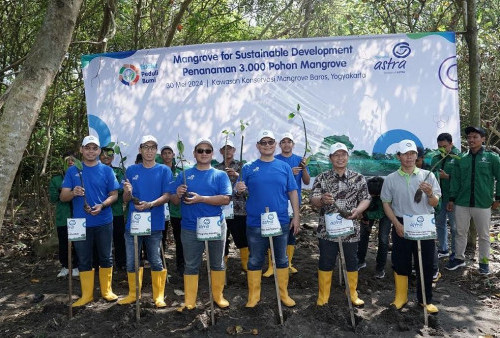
[(229, 143), (265, 133), (338, 146), (90, 139), (149, 138), (406, 146), (203, 140), (287, 135)]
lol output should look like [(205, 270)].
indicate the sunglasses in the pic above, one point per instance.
[(206, 151), (265, 143)]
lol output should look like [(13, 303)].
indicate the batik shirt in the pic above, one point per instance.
[(347, 190)]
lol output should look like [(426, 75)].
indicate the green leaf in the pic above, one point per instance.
[(291, 116), (180, 147), (298, 107), (110, 145), (117, 150), (124, 159), (78, 164)]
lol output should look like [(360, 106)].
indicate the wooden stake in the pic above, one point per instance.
[(346, 281), (421, 269), (136, 263), (212, 316), (70, 282), (273, 260)]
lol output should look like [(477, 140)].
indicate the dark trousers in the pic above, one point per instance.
[(62, 236), (402, 252), (328, 251), (384, 228), (179, 254), (237, 227), (119, 241)]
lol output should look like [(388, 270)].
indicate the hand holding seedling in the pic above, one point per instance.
[(426, 188), (78, 191), (443, 175), (327, 198), (232, 173), (181, 191), (193, 198), (303, 162), (142, 205), (96, 209), (355, 214), (240, 187)]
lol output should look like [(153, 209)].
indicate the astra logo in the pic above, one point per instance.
[(256, 169), (400, 51), (191, 177), (135, 178)]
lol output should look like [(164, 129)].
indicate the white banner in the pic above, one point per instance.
[(367, 91)]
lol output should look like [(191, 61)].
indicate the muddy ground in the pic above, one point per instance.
[(33, 302)]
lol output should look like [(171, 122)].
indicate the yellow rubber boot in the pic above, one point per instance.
[(218, 278), (352, 277), (283, 275), (432, 309), (105, 278), (158, 279), (190, 292), (269, 271), (87, 285), (131, 288), (254, 278), (290, 249), (244, 254), (401, 285), (324, 285)]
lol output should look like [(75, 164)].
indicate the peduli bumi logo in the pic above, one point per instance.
[(129, 75)]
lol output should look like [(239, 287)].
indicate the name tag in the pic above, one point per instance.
[(76, 229), (209, 228), (270, 224), (337, 226), (228, 210), (167, 212), (140, 224), (290, 209), (419, 227)]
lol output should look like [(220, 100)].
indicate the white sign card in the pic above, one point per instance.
[(76, 229), (419, 227), (270, 224), (228, 210), (337, 226), (209, 228), (140, 224)]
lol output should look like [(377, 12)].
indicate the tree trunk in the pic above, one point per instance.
[(27, 93), (474, 91)]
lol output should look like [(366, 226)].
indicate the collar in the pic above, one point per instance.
[(402, 173)]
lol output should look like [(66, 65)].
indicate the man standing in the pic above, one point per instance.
[(238, 225), (301, 174), (443, 172), (334, 189), (146, 190), (206, 191), (167, 155), (92, 194), (269, 183), (471, 193), (107, 156), (397, 197)]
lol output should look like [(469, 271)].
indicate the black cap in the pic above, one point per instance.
[(472, 129), (166, 147)]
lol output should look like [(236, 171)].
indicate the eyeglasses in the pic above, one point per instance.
[(149, 147), (95, 148), (265, 143), (206, 151)]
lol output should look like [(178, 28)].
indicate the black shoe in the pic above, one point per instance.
[(455, 264)]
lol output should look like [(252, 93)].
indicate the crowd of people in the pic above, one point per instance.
[(455, 188)]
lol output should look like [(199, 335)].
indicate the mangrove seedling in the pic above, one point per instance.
[(180, 150), (79, 167), (117, 150), (291, 116), (442, 150)]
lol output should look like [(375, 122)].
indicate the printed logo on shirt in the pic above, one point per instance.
[(136, 177), (484, 160), (191, 177), (256, 169)]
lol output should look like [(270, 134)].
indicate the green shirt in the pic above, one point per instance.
[(63, 209), (447, 166), (473, 179), (175, 210)]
